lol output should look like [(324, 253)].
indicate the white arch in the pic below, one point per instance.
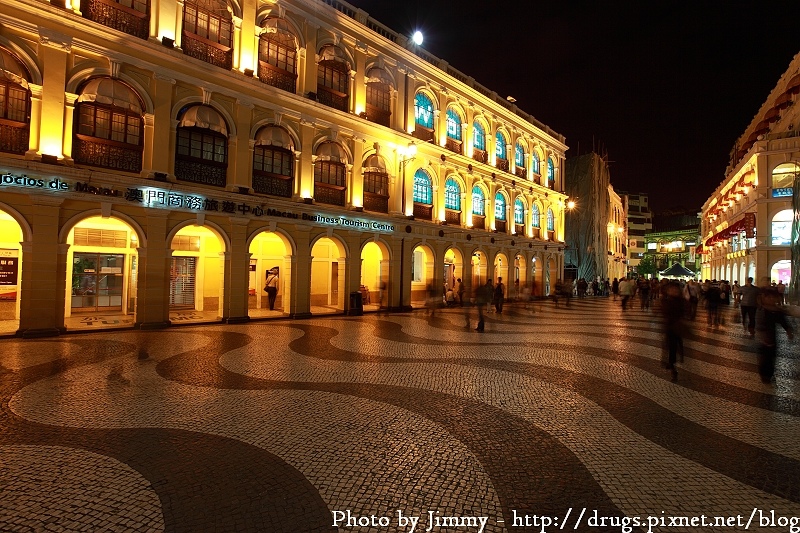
[(19, 218), (81, 75), (282, 234), (215, 228), (190, 100), (76, 219)]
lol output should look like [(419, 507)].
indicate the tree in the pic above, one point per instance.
[(647, 266)]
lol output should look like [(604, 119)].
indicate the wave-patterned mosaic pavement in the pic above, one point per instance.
[(551, 414)]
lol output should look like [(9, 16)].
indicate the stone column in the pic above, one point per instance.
[(152, 310), (36, 120), (43, 279), (241, 171), (163, 126), (308, 75), (54, 54), (300, 289), (236, 274)]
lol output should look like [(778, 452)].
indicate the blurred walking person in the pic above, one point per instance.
[(673, 310), (748, 305), (770, 316)]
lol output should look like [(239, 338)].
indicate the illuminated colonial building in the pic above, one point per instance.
[(746, 224), (160, 157)]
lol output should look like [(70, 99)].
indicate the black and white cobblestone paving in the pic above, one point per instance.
[(286, 426)]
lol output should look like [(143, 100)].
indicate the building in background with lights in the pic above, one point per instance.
[(640, 222), (746, 224), (596, 229), (674, 240), (160, 161)]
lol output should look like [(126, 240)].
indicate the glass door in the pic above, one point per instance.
[(97, 282)]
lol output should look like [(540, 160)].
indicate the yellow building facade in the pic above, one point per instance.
[(161, 160), (746, 223)]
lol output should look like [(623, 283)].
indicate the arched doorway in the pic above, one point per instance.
[(480, 267), (270, 259), (453, 267), (781, 271), (501, 265), (520, 277), (422, 282), (10, 272), (552, 276), (536, 277), (328, 268), (102, 266), (374, 275), (196, 275)]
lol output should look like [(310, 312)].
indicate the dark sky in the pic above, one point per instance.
[(663, 87)]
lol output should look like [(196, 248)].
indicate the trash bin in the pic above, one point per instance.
[(356, 304)]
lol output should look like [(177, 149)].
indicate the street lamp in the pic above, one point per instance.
[(407, 154)]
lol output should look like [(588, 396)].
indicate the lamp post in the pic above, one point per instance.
[(407, 154)]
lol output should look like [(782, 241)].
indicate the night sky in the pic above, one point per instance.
[(663, 88)]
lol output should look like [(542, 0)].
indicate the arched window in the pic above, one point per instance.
[(128, 16), (376, 184), (423, 195), (108, 130), (423, 189), (500, 145), (273, 162), (536, 217), (15, 105), (519, 212), (453, 141), (330, 174), (519, 156), (453, 125), (208, 32), (551, 173), (551, 222), (782, 228), (452, 195), (333, 78), (277, 54), (501, 152), (423, 117), (201, 147), (783, 179), (499, 206), (379, 96), (535, 163), (478, 202), (478, 136)]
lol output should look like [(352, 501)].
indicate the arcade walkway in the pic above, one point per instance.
[(553, 417)]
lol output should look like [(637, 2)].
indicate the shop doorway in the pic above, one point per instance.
[(454, 269), (10, 272), (101, 269), (374, 276), (423, 284), (196, 275), (328, 265), (270, 259), (98, 282), (480, 266)]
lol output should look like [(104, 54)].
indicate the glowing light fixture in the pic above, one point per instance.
[(417, 37)]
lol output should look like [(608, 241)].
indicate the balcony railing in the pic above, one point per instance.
[(423, 211), (378, 203), (480, 155), (452, 217), (276, 77), (208, 51), (536, 233), (200, 172), (379, 116), (329, 194), (14, 137), (116, 16), (500, 226), (519, 229), (106, 154), (332, 98), (272, 184), (453, 145), (520, 172), (478, 222), (502, 164), (423, 134)]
